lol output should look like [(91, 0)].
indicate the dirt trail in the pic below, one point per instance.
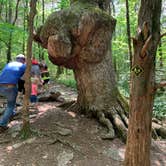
[(65, 139)]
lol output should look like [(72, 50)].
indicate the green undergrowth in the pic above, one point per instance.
[(159, 108), (67, 79), (68, 82)]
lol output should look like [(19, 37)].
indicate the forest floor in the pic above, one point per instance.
[(65, 138)]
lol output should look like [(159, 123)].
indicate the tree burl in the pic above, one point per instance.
[(79, 38)]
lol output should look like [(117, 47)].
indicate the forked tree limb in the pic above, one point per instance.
[(16, 13), (144, 48)]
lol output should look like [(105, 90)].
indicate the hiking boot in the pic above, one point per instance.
[(3, 129), (16, 116), (2, 111), (18, 104)]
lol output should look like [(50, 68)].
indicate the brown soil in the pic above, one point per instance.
[(65, 139)]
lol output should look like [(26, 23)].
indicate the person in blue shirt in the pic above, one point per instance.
[(9, 78)]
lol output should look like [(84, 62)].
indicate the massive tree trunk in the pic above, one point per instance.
[(143, 84), (79, 38)]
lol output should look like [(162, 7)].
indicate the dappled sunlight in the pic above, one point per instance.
[(44, 108), (14, 122), (72, 114), (9, 149), (121, 153)]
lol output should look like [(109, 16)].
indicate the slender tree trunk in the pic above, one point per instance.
[(9, 48), (160, 54), (10, 33), (43, 18), (13, 23), (23, 39), (128, 32), (60, 71), (26, 124), (43, 11), (143, 84), (6, 12), (25, 25), (112, 8), (1, 8)]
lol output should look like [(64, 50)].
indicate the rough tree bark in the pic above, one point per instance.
[(143, 84), (25, 132), (79, 38)]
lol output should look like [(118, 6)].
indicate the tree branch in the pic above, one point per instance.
[(162, 35), (16, 14)]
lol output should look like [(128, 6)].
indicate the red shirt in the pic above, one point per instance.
[(34, 89), (35, 62)]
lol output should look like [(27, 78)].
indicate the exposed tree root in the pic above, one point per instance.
[(66, 105), (114, 123), (74, 107), (105, 121), (158, 131), (119, 125), (115, 119)]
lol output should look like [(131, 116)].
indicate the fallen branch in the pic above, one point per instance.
[(158, 131)]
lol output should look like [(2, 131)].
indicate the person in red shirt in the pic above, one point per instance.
[(35, 83)]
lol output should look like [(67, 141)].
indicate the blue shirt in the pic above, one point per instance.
[(12, 72)]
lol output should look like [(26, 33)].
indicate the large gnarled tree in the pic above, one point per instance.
[(79, 38)]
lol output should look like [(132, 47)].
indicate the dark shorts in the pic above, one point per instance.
[(33, 99), (21, 87), (46, 81)]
